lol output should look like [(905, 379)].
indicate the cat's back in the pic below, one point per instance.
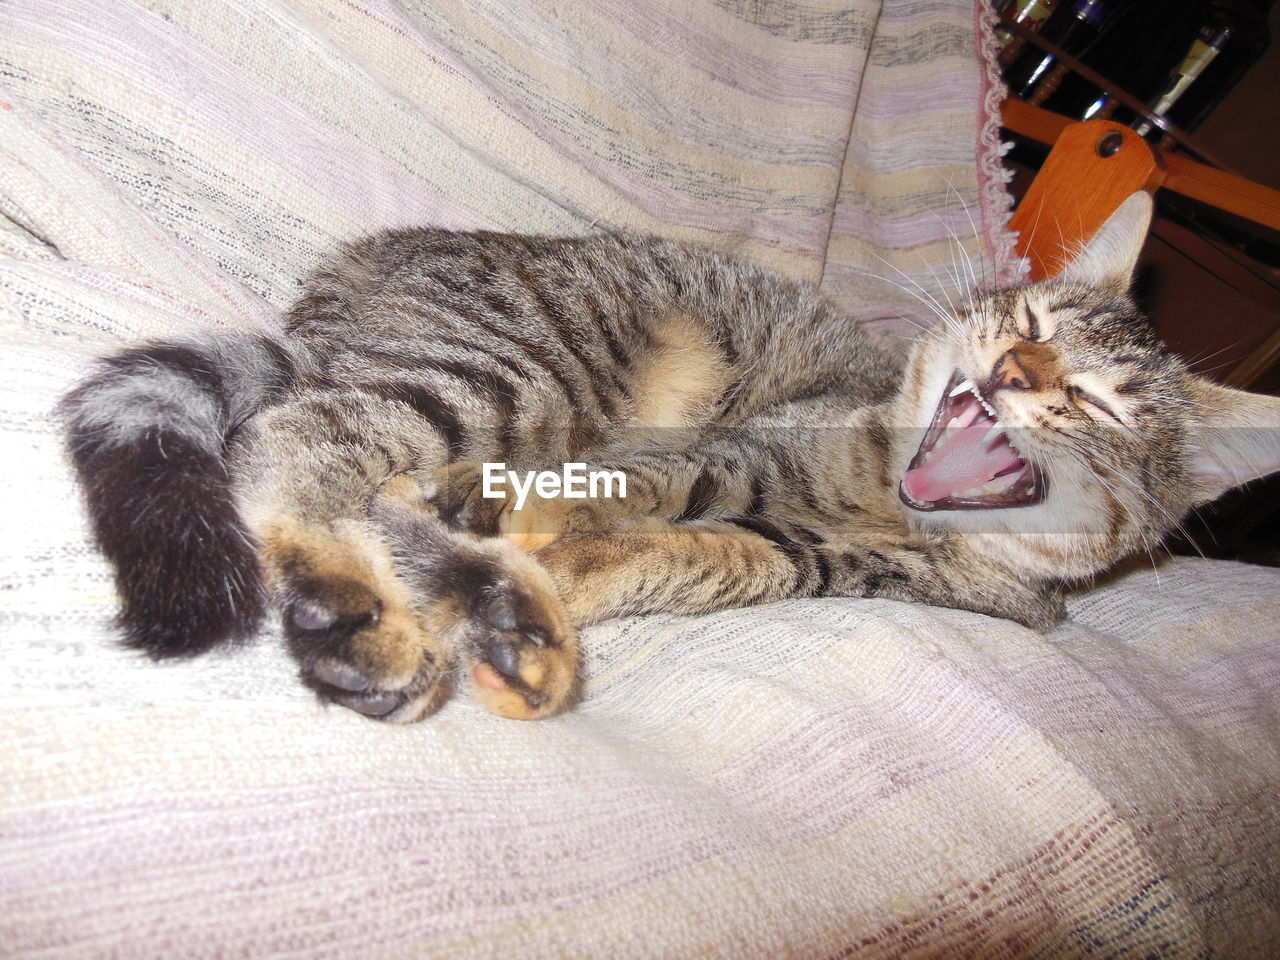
[(401, 280), (597, 304)]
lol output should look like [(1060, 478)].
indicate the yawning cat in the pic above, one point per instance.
[(770, 450)]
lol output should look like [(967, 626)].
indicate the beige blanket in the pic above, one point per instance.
[(819, 778)]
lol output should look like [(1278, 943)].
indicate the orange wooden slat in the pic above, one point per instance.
[(1031, 121), (1091, 169), (1226, 191), (1217, 188)]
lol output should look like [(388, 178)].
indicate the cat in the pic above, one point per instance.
[(770, 450)]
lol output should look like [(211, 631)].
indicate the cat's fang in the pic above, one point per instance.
[(961, 387)]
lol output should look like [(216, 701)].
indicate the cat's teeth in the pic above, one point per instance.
[(961, 388), (997, 430), (971, 492), (986, 406)]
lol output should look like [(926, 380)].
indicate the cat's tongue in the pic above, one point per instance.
[(964, 463)]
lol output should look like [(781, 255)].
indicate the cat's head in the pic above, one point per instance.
[(1075, 437)]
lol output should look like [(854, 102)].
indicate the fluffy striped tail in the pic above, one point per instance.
[(147, 434)]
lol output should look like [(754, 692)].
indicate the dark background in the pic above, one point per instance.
[(1213, 304)]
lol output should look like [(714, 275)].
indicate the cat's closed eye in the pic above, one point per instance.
[(1084, 400), (1032, 324)]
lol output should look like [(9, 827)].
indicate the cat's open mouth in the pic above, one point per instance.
[(966, 461)]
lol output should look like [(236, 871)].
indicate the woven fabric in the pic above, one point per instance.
[(817, 778)]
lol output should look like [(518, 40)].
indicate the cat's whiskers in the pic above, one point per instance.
[(964, 286), (1149, 545), (1031, 235), (1175, 522), (933, 308), (924, 296), (953, 325), (1051, 469), (960, 285), (1219, 366), (1145, 541), (942, 288), (956, 284), (976, 233), (1169, 398), (1202, 357)]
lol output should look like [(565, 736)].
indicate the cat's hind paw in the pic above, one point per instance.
[(509, 626), (352, 627)]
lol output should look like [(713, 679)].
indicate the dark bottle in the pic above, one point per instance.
[(1130, 55), (1231, 36), (1036, 73), (1032, 14)]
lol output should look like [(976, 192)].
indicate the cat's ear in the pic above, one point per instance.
[(1237, 438), (1109, 258)]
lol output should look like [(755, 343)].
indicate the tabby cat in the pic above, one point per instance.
[(771, 450)]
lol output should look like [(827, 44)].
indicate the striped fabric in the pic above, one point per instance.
[(822, 778), (253, 135)]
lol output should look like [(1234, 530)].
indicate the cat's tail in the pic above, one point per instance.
[(148, 433)]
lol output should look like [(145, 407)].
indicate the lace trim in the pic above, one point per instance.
[(994, 201)]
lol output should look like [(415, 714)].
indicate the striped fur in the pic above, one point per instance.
[(763, 436)]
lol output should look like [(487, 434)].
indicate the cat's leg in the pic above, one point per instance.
[(694, 476), (940, 571), (653, 565), (766, 464), (363, 636), (650, 565)]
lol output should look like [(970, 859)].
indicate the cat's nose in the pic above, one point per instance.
[(1011, 373)]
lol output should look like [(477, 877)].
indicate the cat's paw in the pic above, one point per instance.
[(522, 648), (541, 521), (530, 521), (347, 657), (1045, 609), (1039, 606), (457, 497), (511, 629), (350, 623)]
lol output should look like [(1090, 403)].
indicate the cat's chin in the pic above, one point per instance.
[(966, 460), (977, 502)]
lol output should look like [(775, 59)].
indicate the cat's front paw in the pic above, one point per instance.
[(1044, 610), (457, 497), (527, 519), (1039, 606), (537, 522)]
